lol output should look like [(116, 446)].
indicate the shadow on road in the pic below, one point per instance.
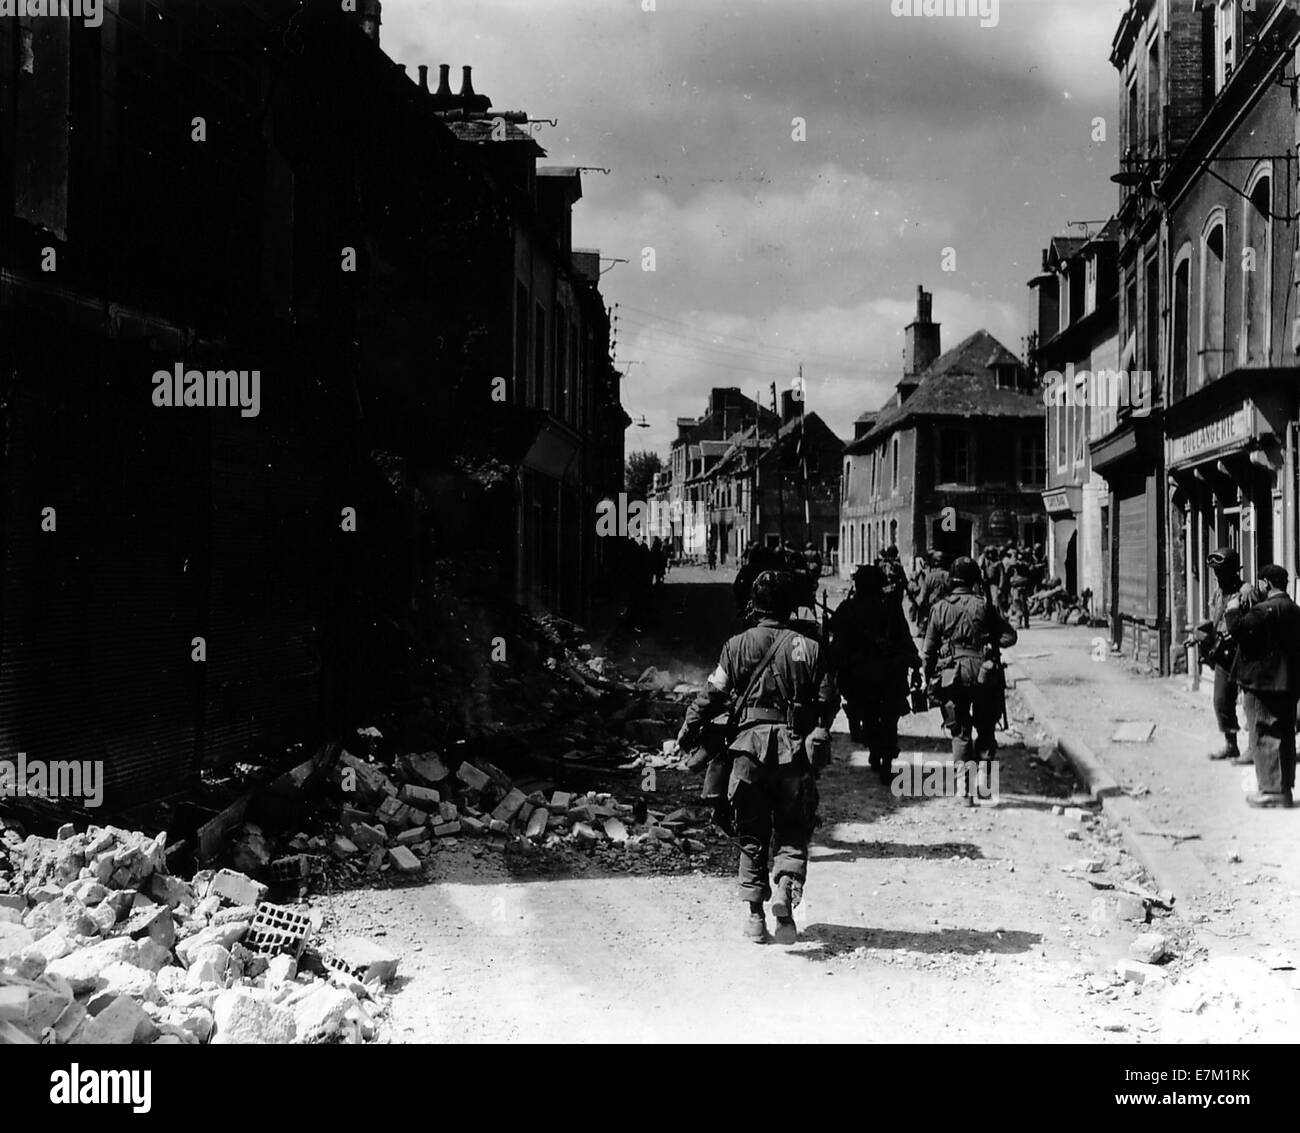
[(842, 851), (835, 940)]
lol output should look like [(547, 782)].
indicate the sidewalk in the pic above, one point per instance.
[(1196, 807)]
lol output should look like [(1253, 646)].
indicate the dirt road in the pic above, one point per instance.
[(923, 921)]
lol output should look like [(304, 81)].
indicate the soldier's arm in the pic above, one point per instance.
[(932, 642), (1244, 619), (828, 696), (708, 702), (905, 636), (1007, 635)]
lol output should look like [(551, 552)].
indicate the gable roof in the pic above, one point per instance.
[(960, 383)]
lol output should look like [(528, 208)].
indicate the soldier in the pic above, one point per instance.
[(785, 701), (895, 576), (872, 651), (991, 565), (936, 586), (963, 666), (1268, 670), (1219, 650), (1019, 579)]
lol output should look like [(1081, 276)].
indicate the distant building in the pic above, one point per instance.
[(780, 485), (1074, 346), (700, 443), (954, 461)]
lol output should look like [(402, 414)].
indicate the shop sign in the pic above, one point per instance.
[(1223, 433), (1056, 502)]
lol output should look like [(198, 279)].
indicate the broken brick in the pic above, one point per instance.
[(403, 859), (510, 805), (237, 888), (472, 777), (426, 798)]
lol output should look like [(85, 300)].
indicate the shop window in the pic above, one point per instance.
[(1212, 283)]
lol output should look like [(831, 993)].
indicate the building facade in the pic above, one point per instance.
[(954, 461), (1074, 347)]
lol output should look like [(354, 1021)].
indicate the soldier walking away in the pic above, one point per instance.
[(963, 667), (813, 561), (895, 576), (1020, 578), (872, 652), (785, 701), (991, 566), (1267, 668), (937, 581), (1219, 648)]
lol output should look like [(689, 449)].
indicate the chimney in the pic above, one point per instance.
[(424, 77), (469, 101), (922, 344), (791, 406), (442, 97), (370, 19)]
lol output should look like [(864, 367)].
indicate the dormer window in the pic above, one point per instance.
[(1006, 375)]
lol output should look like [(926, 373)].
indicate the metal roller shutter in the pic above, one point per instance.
[(1132, 529)]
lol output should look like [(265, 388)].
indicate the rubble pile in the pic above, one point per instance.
[(392, 818), (99, 944)]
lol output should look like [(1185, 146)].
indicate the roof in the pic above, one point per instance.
[(480, 130), (960, 383)]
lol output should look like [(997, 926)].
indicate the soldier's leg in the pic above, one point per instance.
[(1266, 742), (871, 726), (752, 810), (1225, 711), (794, 820), (961, 726)]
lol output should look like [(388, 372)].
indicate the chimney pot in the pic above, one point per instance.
[(443, 97), (424, 76)]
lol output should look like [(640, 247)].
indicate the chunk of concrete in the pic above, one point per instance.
[(237, 888), (1149, 948), (239, 1018)]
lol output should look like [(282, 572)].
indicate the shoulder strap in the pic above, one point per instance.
[(780, 638)]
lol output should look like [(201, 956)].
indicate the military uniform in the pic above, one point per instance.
[(772, 789), (1220, 651), (872, 650), (937, 581), (965, 634), (1019, 580)]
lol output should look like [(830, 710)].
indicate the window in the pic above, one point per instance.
[(1212, 283), (1151, 301), (954, 457), (1090, 286), (1062, 434), (541, 381), (520, 391), (1257, 270), (1033, 460), (1153, 98), (1063, 298), (848, 475), (894, 454), (853, 544), (1079, 425), (1182, 299), (893, 533), (1134, 119), (1225, 43), (561, 364)]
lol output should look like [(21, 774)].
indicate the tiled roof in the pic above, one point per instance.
[(960, 383), (480, 130)]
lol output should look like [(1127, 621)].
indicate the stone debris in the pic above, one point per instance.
[(1149, 947), (1137, 972), (99, 945)]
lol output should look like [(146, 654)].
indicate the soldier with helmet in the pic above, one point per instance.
[(784, 700), (936, 586), (963, 666), (873, 651)]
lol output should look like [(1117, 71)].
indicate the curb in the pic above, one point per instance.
[(1182, 873)]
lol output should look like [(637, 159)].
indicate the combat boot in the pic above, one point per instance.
[(756, 923), (1228, 749), (789, 892)]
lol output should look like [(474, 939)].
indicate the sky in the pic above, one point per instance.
[(935, 151)]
